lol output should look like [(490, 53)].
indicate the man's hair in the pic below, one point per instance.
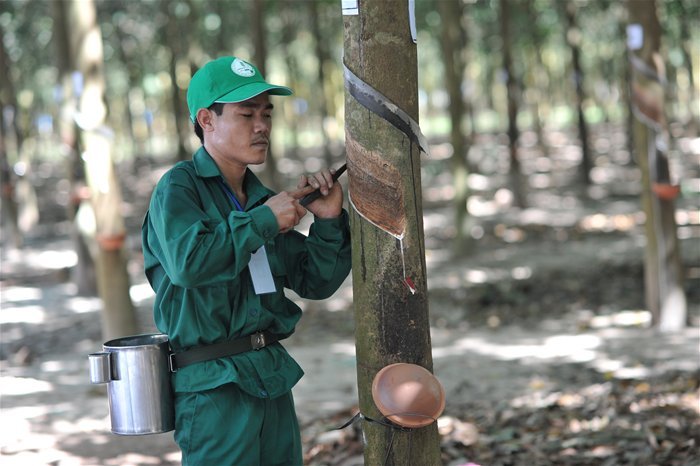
[(216, 107)]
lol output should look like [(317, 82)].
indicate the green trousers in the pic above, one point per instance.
[(228, 427)]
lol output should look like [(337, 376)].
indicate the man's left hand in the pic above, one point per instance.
[(330, 204)]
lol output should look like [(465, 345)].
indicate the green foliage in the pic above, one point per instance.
[(138, 53)]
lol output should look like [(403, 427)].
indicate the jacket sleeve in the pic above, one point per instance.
[(322, 260), (195, 243)]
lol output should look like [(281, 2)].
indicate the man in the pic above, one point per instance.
[(219, 248)]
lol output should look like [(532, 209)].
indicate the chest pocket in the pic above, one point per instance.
[(275, 258)]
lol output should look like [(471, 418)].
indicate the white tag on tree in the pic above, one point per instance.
[(260, 272)]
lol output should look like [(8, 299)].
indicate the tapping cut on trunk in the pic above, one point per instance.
[(375, 188)]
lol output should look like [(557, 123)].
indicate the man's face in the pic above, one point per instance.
[(241, 134)]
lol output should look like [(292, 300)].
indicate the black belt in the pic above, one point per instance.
[(197, 354)]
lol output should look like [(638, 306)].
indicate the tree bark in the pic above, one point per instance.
[(290, 28), (573, 38), (9, 208), (538, 81), (685, 18), (320, 48), (384, 179), (270, 173), (453, 43), (516, 181), (665, 295), (118, 317), (174, 37), (83, 274)]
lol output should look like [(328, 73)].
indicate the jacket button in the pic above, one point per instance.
[(263, 393), (253, 312)]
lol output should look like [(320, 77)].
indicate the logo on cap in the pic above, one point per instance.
[(242, 68)]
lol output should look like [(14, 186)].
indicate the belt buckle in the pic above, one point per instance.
[(171, 363), (257, 341)]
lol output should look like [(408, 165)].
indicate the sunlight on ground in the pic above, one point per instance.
[(141, 292), (135, 459), (577, 348), (622, 319), (45, 259), (473, 276), (81, 305), (593, 347), (22, 314), (20, 293), (22, 386)]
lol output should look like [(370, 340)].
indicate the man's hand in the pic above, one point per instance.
[(330, 204), (286, 209)]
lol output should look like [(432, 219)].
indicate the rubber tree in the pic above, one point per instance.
[(574, 38), (322, 55), (102, 221), (176, 36), (453, 42), (9, 208), (258, 10), (83, 274), (388, 254), (517, 183), (663, 271)]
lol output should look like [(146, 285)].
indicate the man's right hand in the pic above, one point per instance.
[(287, 210)]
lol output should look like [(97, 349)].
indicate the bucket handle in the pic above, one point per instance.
[(100, 367)]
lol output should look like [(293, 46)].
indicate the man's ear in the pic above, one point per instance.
[(204, 118)]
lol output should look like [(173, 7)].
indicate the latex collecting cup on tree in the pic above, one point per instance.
[(408, 395)]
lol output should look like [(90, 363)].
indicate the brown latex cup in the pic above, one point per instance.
[(408, 395)]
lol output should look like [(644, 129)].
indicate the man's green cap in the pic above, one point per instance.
[(227, 80)]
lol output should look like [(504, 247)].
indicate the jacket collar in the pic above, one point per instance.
[(204, 164), (206, 167)]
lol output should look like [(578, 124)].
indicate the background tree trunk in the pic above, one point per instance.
[(573, 38), (538, 80), (174, 36), (453, 42), (384, 174), (118, 318), (321, 51), (663, 269), (83, 274), (270, 173), (9, 210), (516, 181)]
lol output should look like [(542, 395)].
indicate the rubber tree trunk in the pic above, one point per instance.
[(290, 28), (573, 38), (453, 43), (515, 176), (9, 208), (83, 274), (321, 50), (537, 76), (665, 295), (685, 45), (118, 316), (391, 321), (175, 36), (270, 173)]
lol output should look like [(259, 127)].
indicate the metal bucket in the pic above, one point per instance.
[(140, 394)]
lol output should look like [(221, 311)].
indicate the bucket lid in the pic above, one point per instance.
[(408, 395)]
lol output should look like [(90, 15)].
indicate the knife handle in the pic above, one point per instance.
[(312, 196)]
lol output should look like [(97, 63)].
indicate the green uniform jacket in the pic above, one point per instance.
[(196, 248)]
